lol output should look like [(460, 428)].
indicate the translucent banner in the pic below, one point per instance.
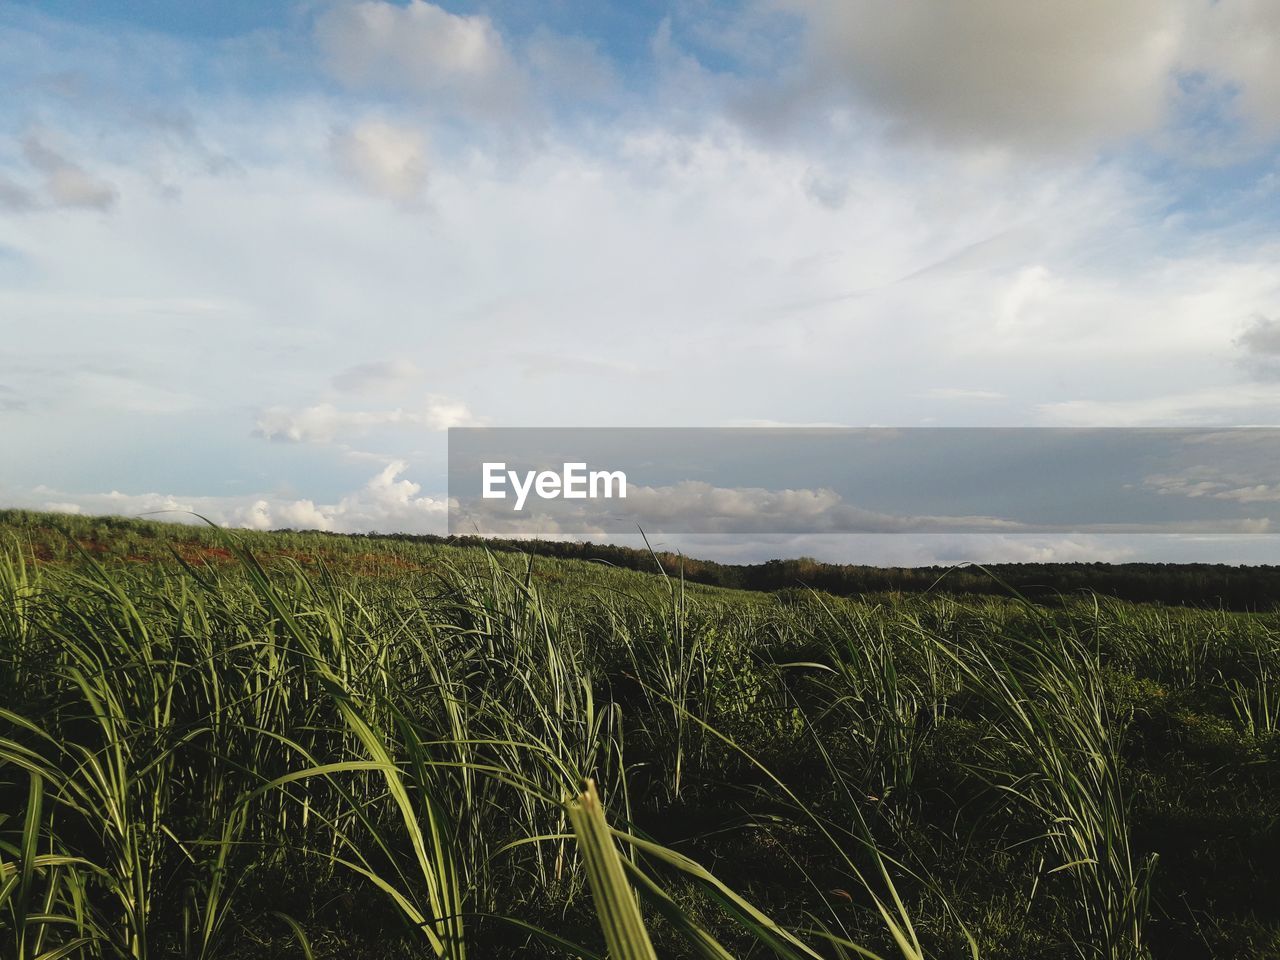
[(598, 481)]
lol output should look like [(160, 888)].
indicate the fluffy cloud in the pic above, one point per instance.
[(385, 159), (1262, 337), (1002, 71), (455, 60), (684, 268), (387, 502), (1260, 346), (1044, 76)]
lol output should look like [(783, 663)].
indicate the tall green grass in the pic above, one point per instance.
[(249, 758)]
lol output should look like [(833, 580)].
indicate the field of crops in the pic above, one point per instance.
[(286, 745)]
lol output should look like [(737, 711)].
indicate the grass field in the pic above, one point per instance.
[(289, 745)]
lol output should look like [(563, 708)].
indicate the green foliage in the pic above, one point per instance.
[(259, 745)]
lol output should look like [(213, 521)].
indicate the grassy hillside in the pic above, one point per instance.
[(272, 745), (1238, 587)]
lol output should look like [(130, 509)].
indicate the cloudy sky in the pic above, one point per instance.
[(256, 257)]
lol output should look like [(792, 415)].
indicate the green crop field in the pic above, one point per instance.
[(218, 745)]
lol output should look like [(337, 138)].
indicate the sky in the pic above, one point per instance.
[(256, 258)]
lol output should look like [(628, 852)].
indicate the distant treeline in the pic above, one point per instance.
[(1197, 584)]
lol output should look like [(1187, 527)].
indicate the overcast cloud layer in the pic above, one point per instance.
[(253, 265)]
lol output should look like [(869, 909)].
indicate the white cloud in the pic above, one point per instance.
[(385, 159), (1260, 346), (454, 61), (1262, 337), (688, 269), (324, 423), (385, 503), (60, 506), (1043, 76), (389, 503)]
